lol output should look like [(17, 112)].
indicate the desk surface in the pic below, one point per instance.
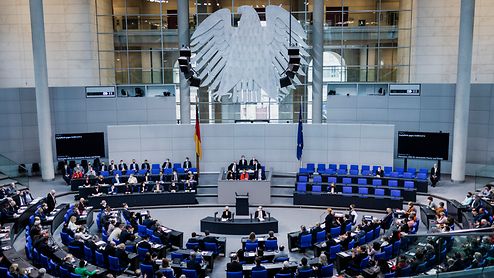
[(239, 226)]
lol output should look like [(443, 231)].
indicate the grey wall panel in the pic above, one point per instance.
[(372, 102), (341, 115), (277, 150), (479, 117), (407, 102), (435, 102), (10, 107)]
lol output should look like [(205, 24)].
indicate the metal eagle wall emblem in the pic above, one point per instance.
[(241, 62)]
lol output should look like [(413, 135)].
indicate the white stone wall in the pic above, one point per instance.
[(71, 43), (435, 29)]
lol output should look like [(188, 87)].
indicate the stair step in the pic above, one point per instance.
[(207, 186), (281, 196), (206, 195), (283, 186)]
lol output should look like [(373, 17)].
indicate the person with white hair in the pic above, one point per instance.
[(51, 201), (260, 214), (226, 215), (285, 269)]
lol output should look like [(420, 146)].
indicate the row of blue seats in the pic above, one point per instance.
[(154, 171), (326, 271), (365, 170), (363, 191), (361, 181)]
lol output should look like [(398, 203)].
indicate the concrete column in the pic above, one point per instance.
[(42, 94), (462, 96), (183, 40), (317, 58)]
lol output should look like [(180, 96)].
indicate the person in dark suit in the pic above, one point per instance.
[(242, 163), (379, 172), (233, 168), (127, 234), (146, 165), (51, 201), (112, 167), (187, 164), (116, 179), (234, 265), (67, 263), (435, 175), (122, 255), (192, 262), (78, 243), (387, 220), (227, 214), (329, 221), (209, 238), (167, 164), (251, 162), (144, 243), (122, 166), (125, 211), (134, 166), (103, 167)]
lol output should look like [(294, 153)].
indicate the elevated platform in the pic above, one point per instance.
[(238, 226)]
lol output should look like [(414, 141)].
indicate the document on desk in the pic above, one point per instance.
[(344, 254)]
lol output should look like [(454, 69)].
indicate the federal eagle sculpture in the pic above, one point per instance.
[(238, 62)]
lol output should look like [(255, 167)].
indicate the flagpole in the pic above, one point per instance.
[(302, 119), (197, 156)]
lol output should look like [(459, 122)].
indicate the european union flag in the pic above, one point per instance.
[(300, 135)]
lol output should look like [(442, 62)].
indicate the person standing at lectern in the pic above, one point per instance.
[(260, 214), (226, 215), (244, 176), (242, 163), (435, 174)]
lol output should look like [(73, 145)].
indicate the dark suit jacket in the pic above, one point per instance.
[(122, 256), (146, 166), (103, 168), (134, 166), (233, 267), (144, 244), (126, 214), (187, 165), (435, 172), (226, 214), (380, 173), (264, 214), (167, 165), (122, 167), (242, 163), (50, 201), (124, 236), (230, 168)]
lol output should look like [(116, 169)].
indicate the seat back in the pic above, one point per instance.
[(327, 271), (43, 261), (176, 166), (141, 230), (362, 181), (421, 176), (283, 275), (259, 274), (302, 178), (354, 167), (369, 236), (321, 236), (53, 268), (251, 246), (393, 183), (351, 244), (406, 271), (114, 264), (317, 179), (347, 180), (64, 273), (388, 250), (301, 186), (335, 232), (189, 273), (379, 192), (333, 250), (142, 252), (331, 179), (147, 270), (305, 241), (409, 184), (364, 263), (211, 246), (307, 273), (234, 274), (395, 194), (192, 245), (363, 191), (88, 254), (347, 189), (396, 247), (321, 167), (311, 167), (100, 259), (377, 182), (155, 166), (271, 245), (316, 188)]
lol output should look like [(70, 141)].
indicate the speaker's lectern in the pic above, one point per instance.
[(242, 204)]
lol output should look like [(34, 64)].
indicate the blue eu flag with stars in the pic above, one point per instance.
[(300, 135)]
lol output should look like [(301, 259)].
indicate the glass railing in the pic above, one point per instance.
[(484, 176), (14, 170), (461, 253)]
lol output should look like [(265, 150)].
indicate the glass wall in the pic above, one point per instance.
[(364, 41)]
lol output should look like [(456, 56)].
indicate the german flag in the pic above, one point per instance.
[(197, 135)]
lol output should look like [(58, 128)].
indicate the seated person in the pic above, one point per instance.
[(252, 237), (285, 269), (271, 236), (173, 187), (244, 175), (332, 188), (258, 265), (132, 179), (113, 190), (192, 263), (134, 166), (260, 214), (468, 199), (158, 187), (145, 165), (167, 164), (229, 175), (100, 181), (122, 256), (379, 172), (91, 172), (233, 168), (97, 191), (234, 265), (226, 215), (82, 270), (187, 164), (303, 265), (166, 268), (116, 179), (127, 189), (87, 182), (144, 243)]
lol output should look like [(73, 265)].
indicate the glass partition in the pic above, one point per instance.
[(14, 171)]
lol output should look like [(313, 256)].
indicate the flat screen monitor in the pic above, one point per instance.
[(80, 145), (423, 145)]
